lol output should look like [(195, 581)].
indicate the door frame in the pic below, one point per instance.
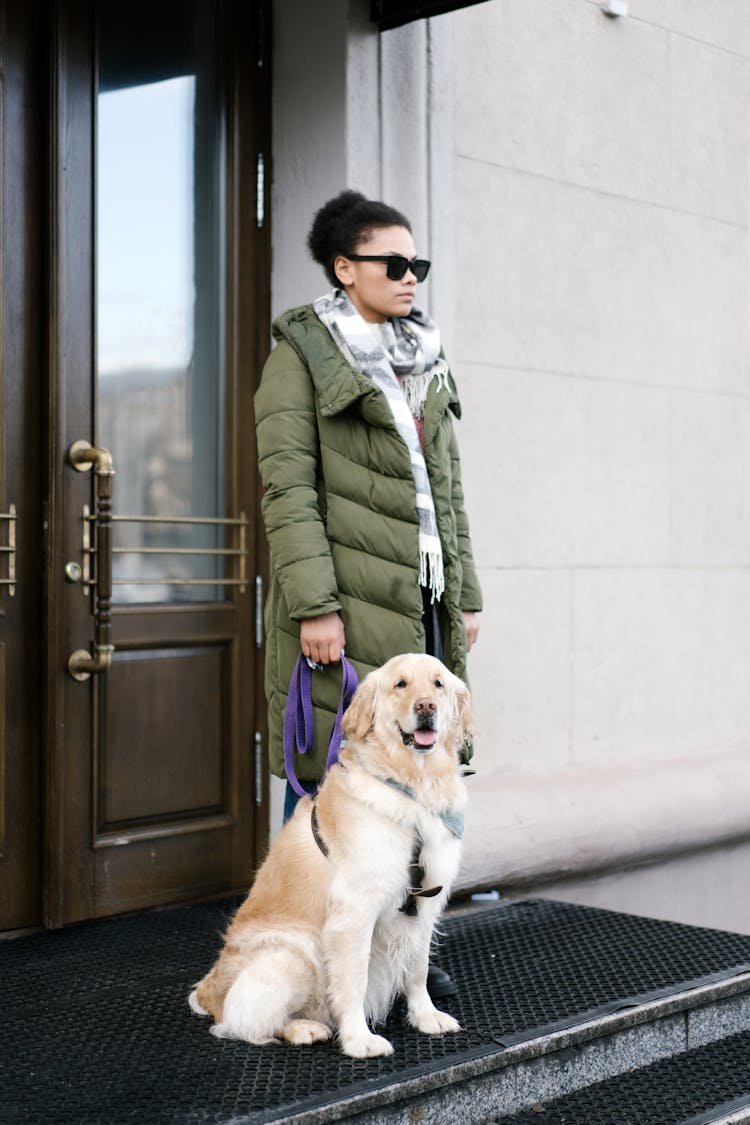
[(23, 110), (70, 270)]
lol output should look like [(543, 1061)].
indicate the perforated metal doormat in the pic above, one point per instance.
[(95, 1025)]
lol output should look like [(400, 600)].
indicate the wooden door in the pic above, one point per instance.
[(22, 211), (158, 314)]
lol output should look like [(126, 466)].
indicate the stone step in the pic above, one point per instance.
[(551, 997), (533, 1069), (708, 1084)]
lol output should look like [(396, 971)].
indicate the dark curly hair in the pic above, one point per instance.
[(345, 221)]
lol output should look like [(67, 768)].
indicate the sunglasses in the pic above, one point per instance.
[(397, 264)]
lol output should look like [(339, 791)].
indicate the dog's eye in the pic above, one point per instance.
[(438, 683), (401, 683)]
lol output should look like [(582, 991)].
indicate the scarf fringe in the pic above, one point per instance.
[(431, 573), (415, 387)]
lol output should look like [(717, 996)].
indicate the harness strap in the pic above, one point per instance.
[(453, 821), (415, 889), (316, 831)]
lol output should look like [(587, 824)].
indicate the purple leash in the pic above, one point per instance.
[(299, 727)]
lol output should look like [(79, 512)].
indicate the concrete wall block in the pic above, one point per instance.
[(660, 662), (403, 107), (722, 23), (624, 107), (710, 470), (709, 94), (520, 671), (701, 888), (557, 278), (577, 472), (363, 122), (409, 143), (442, 204), (523, 829), (558, 90), (309, 118)]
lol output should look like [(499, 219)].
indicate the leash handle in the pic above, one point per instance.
[(299, 725)]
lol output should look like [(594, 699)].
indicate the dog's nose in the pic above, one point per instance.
[(425, 706)]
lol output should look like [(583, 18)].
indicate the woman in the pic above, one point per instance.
[(363, 503)]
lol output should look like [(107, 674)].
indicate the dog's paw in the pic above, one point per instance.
[(303, 1032), (435, 1023), (195, 1004), (367, 1046)]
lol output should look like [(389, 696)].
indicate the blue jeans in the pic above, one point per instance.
[(291, 799)]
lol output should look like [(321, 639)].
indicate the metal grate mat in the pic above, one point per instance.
[(96, 1026)]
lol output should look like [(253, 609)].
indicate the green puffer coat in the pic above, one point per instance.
[(340, 514)]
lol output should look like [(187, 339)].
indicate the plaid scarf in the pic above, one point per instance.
[(403, 370)]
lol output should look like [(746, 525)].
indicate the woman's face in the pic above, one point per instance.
[(367, 284)]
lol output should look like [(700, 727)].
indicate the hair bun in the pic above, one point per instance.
[(324, 238), (345, 221)]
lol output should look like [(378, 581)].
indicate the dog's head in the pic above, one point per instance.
[(412, 700)]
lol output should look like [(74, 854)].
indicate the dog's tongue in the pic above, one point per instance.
[(425, 737)]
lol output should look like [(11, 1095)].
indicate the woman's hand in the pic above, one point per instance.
[(471, 625), (322, 638)]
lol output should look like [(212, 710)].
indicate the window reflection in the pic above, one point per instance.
[(160, 294), (144, 232)]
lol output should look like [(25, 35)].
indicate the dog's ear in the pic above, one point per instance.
[(360, 714), (463, 712)]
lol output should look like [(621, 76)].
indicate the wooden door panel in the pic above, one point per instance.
[(163, 745), (173, 785), (174, 868)]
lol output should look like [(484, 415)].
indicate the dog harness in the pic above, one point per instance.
[(454, 822)]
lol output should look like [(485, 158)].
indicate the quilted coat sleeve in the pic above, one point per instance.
[(471, 594), (288, 458)]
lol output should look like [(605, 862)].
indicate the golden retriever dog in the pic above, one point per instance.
[(341, 915)]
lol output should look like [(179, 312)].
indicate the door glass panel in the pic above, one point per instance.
[(160, 228)]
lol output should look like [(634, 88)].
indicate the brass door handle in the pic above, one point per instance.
[(82, 664)]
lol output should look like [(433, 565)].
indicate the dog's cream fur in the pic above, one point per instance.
[(320, 943)]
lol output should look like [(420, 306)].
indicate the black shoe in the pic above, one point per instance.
[(439, 984)]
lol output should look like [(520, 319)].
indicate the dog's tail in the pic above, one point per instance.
[(196, 1005)]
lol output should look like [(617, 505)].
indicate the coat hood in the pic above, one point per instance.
[(337, 384)]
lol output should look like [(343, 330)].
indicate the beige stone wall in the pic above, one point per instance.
[(601, 247)]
